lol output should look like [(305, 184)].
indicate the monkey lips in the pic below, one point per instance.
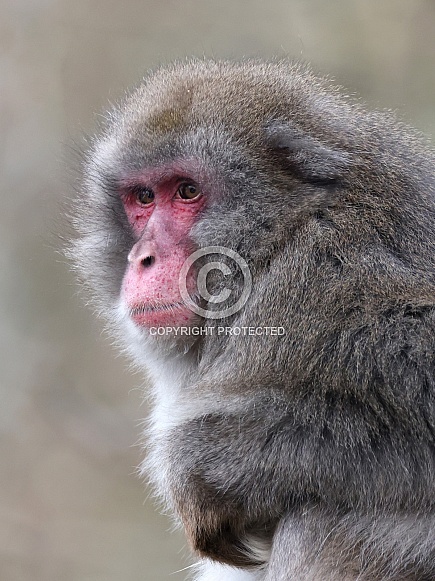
[(154, 314)]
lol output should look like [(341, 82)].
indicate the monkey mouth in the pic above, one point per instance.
[(145, 308), (157, 314)]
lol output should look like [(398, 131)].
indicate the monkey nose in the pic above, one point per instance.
[(144, 260), (148, 261), (142, 254)]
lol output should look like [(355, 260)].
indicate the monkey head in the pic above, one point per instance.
[(222, 155)]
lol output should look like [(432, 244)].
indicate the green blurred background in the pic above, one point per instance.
[(71, 507)]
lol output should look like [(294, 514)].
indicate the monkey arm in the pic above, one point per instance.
[(236, 475)]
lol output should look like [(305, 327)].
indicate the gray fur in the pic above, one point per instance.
[(319, 445)]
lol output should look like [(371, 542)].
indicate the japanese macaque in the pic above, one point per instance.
[(265, 248)]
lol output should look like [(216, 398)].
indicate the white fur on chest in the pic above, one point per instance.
[(172, 403), (171, 407), (211, 571)]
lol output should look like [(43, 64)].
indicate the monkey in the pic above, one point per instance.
[(292, 437)]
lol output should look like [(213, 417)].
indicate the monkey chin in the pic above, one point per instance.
[(152, 315)]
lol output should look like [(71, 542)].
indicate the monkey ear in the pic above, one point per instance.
[(307, 157)]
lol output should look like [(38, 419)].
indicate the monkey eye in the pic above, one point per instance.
[(188, 191), (144, 196)]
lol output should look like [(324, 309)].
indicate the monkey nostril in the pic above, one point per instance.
[(148, 261)]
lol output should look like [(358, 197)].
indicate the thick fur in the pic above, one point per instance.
[(308, 456)]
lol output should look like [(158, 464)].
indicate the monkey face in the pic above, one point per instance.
[(161, 209)]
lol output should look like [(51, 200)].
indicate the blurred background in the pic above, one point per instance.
[(71, 507)]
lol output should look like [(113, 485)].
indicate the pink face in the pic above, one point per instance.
[(161, 210)]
